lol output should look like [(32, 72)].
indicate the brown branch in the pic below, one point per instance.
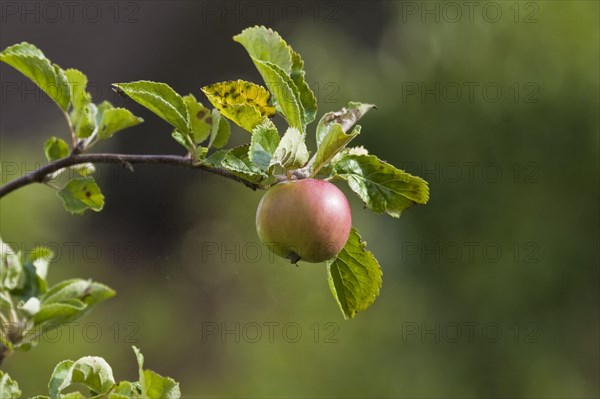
[(42, 174)]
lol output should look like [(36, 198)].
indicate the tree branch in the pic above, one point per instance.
[(41, 175)]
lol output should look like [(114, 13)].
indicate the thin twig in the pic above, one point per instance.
[(41, 174)]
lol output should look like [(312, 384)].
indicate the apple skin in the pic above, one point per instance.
[(306, 219)]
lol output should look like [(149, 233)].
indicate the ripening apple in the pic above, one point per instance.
[(304, 219)]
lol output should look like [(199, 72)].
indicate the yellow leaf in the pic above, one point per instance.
[(245, 103)]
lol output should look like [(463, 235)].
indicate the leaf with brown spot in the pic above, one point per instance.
[(244, 103)]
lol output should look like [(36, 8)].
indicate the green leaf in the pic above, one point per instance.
[(72, 395), (380, 185), (78, 85), (84, 169), (265, 140), (158, 387), (306, 96), (81, 194), (284, 91), (55, 148), (91, 371), (153, 385), (244, 103), (9, 389), (334, 141), (237, 161), (87, 291), (123, 390), (200, 118), (114, 120), (216, 158), (354, 276), (266, 45), (269, 51), (159, 98), (59, 313), (31, 62), (291, 153), (85, 122), (220, 130), (58, 376), (12, 273), (185, 140), (346, 117)]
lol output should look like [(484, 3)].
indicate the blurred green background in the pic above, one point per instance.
[(490, 290)]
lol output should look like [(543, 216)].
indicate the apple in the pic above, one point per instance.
[(305, 219)]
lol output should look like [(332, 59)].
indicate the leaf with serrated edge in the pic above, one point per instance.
[(91, 371), (291, 153), (31, 62), (244, 103), (85, 122), (78, 84), (306, 96), (236, 161), (55, 148), (81, 194), (266, 45), (265, 140), (159, 98), (284, 91), (200, 118), (267, 48), (380, 185), (114, 120), (346, 117), (334, 141), (354, 276), (9, 389), (220, 130)]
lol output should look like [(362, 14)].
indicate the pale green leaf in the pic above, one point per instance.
[(159, 98), (284, 91), (81, 194), (55, 148), (200, 119), (265, 140), (78, 85), (84, 169), (12, 272), (185, 140), (31, 62), (158, 387), (291, 153), (9, 389), (220, 130), (266, 45), (244, 103), (85, 123), (354, 276), (380, 185), (334, 141), (346, 117), (60, 312), (306, 96), (87, 291), (60, 373), (114, 120), (92, 372)]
